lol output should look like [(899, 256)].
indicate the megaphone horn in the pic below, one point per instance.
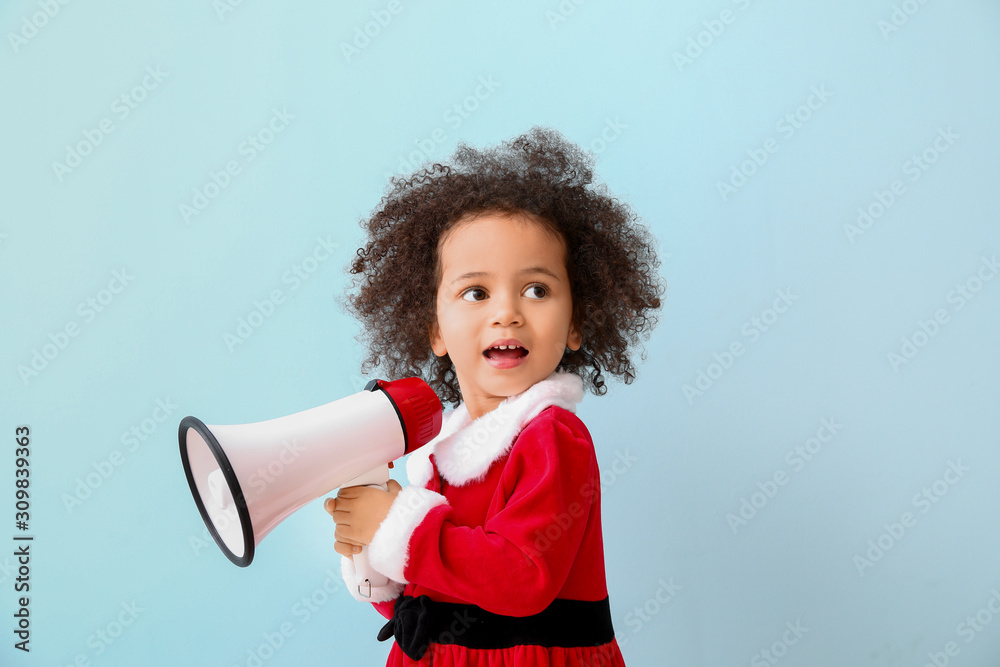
[(247, 478)]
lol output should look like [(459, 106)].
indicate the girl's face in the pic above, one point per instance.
[(503, 285)]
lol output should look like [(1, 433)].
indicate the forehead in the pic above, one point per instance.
[(500, 238)]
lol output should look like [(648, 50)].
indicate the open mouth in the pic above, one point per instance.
[(505, 352)]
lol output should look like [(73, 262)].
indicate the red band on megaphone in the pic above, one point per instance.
[(418, 407)]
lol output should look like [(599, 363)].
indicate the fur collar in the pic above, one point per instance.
[(464, 449)]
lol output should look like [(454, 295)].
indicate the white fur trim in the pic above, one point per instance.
[(466, 449), (390, 591), (389, 551), (418, 464)]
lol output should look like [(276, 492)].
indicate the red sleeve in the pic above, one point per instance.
[(517, 562)]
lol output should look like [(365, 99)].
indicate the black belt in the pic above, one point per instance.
[(419, 621)]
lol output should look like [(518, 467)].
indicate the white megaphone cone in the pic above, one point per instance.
[(247, 478)]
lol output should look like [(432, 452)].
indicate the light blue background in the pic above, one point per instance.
[(689, 585)]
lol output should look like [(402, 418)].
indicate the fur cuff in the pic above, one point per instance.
[(389, 550), (391, 591)]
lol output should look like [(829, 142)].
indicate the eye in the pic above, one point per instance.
[(536, 291), (473, 294)]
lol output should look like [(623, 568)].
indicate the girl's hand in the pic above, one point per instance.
[(358, 511)]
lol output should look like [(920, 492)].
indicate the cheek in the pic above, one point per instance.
[(453, 328)]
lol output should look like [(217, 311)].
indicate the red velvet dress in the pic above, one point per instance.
[(503, 513)]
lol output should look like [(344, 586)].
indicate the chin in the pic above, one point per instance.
[(512, 386)]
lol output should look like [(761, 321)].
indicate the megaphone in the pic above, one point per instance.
[(247, 478)]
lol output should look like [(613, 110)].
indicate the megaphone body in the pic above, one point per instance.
[(247, 478)]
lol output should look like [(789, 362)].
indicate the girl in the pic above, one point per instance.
[(510, 282)]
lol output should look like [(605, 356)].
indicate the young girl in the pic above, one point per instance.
[(508, 281)]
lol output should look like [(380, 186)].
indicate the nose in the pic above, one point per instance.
[(507, 310)]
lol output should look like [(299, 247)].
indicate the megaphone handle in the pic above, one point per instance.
[(368, 578)]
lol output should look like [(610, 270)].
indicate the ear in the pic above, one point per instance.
[(437, 342), (575, 339)]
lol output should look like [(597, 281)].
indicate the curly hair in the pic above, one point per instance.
[(611, 257)]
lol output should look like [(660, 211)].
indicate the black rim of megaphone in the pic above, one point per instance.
[(234, 486)]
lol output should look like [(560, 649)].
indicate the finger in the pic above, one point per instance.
[(394, 486), (345, 549), (342, 504), (349, 492), (330, 505), (345, 534), (358, 493)]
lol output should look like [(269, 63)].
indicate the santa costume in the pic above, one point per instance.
[(494, 552)]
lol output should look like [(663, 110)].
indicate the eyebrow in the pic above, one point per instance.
[(484, 274)]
